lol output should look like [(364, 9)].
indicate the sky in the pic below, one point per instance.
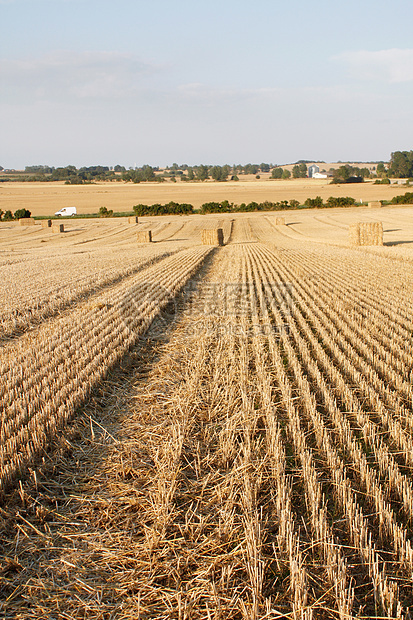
[(134, 82)]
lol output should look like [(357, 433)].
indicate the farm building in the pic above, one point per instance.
[(312, 170)]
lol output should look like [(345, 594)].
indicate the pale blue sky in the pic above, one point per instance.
[(132, 82)]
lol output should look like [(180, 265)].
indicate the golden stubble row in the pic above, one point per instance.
[(48, 374), (37, 287), (391, 531)]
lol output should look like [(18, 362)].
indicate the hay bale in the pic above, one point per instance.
[(46, 223), (376, 204), (366, 233), (27, 221), (58, 228), (213, 236), (144, 236), (280, 221), (133, 219)]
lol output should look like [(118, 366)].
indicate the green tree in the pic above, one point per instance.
[(342, 174), (349, 174), (381, 169), (148, 173), (300, 171), (8, 216), (219, 173), (251, 169), (202, 173), (303, 170), (286, 174), (63, 174), (40, 168), (277, 173), (401, 164), (265, 167)]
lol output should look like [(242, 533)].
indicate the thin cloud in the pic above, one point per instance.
[(85, 75), (198, 93), (391, 65)]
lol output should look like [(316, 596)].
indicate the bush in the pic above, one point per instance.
[(294, 204), (340, 201), (405, 199), (171, 208), (262, 206), (20, 214), (103, 212), (382, 181), (8, 216), (283, 204), (216, 207), (267, 205), (314, 202), (276, 173), (75, 181)]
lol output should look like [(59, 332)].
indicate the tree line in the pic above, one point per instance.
[(226, 207), (175, 208), (399, 166)]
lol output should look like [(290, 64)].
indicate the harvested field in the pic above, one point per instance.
[(47, 198), (207, 432)]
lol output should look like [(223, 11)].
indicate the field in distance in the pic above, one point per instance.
[(201, 432), (317, 226), (47, 198)]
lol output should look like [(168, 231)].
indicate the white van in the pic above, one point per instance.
[(66, 211)]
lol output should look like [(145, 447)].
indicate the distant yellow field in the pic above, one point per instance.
[(47, 198)]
